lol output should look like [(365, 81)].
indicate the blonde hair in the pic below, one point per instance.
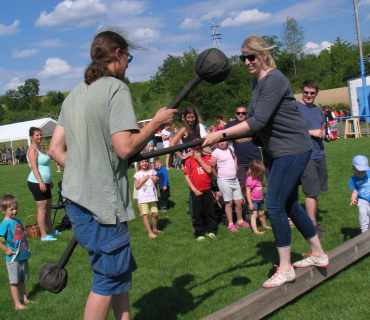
[(7, 201), (157, 160), (256, 169), (258, 45), (137, 164)]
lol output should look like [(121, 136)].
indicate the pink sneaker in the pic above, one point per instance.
[(232, 228), (243, 224)]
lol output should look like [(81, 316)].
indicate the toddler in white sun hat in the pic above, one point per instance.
[(360, 185)]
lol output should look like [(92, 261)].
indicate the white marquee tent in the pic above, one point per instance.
[(20, 130)]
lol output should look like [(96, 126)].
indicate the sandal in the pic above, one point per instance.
[(201, 239), (152, 236)]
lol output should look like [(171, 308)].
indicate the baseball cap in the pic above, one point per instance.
[(197, 147), (361, 163)]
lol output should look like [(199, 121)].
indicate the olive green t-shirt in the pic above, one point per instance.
[(94, 176)]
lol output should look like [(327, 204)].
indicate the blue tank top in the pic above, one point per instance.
[(43, 167)]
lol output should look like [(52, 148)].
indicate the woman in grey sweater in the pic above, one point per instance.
[(275, 119)]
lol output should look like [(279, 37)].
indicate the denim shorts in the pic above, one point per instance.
[(109, 250), (258, 205)]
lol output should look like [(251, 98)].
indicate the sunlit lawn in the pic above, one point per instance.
[(179, 278)]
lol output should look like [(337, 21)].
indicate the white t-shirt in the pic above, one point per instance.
[(148, 191), (202, 130), (166, 142), (225, 163)]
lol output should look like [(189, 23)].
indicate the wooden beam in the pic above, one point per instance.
[(264, 301)]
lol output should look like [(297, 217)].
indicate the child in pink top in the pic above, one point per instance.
[(255, 194), (224, 157)]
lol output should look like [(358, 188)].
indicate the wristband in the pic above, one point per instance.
[(224, 133)]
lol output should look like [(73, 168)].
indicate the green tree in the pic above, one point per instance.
[(31, 88), (57, 98), (11, 99), (293, 36)]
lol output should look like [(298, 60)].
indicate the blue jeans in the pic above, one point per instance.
[(282, 198)]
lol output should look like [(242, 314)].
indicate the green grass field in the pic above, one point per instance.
[(179, 278)]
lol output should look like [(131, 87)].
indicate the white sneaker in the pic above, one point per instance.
[(280, 278), (312, 261)]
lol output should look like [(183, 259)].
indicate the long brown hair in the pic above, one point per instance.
[(102, 52), (189, 129)]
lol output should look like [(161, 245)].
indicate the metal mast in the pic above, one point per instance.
[(215, 35), (363, 74)]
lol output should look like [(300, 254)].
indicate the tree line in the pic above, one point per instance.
[(330, 68)]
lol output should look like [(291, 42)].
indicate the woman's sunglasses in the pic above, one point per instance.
[(250, 57)]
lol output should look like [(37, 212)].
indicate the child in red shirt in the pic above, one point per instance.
[(197, 175)]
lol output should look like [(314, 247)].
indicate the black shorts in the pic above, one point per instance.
[(315, 178), (37, 194)]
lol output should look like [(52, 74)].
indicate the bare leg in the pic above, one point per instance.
[(17, 303), (229, 211), (22, 292), (316, 249), (263, 219), (311, 207), (168, 167), (239, 209), (254, 223), (121, 306), (48, 222), (147, 224), (285, 263), (41, 213), (155, 221), (97, 307)]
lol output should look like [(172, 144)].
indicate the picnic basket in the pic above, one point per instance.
[(32, 230)]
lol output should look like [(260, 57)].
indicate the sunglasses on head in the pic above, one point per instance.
[(250, 57), (312, 93), (240, 113)]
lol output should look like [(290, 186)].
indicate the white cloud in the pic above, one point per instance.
[(312, 47), (145, 35), (214, 14), (363, 3), (54, 67), (182, 38), (11, 29), (48, 43), (25, 53), (128, 7), (81, 13), (192, 24), (13, 83), (245, 17)]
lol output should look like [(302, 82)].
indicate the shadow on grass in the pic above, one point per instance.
[(175, 300), (162, 223), (35, 290), (349, 233)]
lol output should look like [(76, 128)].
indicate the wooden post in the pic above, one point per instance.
[(264, 301)]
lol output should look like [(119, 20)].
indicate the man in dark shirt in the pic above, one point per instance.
[(315, 176), (245, 149)]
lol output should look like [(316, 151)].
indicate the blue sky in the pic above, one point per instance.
[(49, 40)]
